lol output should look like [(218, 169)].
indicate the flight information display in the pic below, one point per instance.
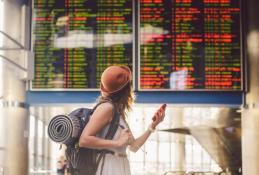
[(190, 45), (75, 40)]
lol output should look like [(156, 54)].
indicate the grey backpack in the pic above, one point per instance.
[(66, 129)]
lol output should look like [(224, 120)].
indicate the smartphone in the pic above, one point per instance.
[(162, 107)]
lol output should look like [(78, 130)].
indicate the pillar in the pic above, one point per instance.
[(15, 110), (250, 115), (16, 125), (177, 122)]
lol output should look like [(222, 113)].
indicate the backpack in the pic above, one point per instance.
[(66, 129)]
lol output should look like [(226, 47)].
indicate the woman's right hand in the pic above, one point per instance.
[(124, 138)]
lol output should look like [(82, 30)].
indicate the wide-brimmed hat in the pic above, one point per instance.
[(114, 78)]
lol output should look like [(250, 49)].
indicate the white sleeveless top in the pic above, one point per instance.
[(114, 164)]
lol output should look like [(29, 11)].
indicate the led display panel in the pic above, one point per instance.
[(75, 40), (190, 45)]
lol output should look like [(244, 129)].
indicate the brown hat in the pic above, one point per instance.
[(114, 78)]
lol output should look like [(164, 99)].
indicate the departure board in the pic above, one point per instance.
[(190, 45), (75, 40)]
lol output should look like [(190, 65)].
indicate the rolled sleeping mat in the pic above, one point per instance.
[(64, 129)]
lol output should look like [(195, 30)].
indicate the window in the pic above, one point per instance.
[(165, 151)]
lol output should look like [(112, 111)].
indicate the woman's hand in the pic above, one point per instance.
[(158, 116), (125, 138)]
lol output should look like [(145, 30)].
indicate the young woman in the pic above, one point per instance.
[(116, 87)]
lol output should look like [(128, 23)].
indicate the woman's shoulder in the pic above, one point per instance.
[(104, 110), (105, 106)]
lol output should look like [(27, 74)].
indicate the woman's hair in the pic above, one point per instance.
[(122, 99)]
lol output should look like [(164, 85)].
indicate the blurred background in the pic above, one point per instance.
[(200, 57)]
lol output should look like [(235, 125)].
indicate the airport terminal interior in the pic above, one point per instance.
[(200, 57)]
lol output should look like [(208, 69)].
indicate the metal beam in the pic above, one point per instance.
[(13, 63), (13, 40)]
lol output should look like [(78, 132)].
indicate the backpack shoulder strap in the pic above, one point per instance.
[(114, 124), (115, 119)]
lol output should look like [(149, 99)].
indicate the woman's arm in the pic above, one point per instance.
[(137, 143), (157, 118), (99, 119)]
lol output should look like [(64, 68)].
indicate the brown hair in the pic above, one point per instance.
[(123, 99)]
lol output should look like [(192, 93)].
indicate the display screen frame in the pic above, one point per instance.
[(242, 60), (136, 57), (31, 88)]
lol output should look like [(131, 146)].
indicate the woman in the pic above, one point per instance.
[(116, 87)]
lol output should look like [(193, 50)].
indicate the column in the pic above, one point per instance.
[(177, 122), (250, 116), (15, 110), (16, 124)]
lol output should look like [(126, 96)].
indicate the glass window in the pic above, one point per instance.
[(163, 151)]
